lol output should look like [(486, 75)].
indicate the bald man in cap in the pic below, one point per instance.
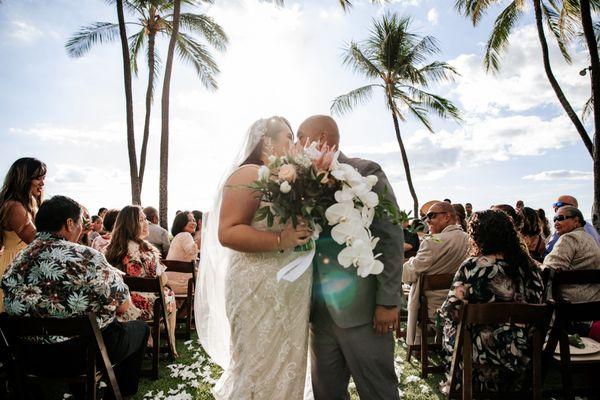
[(440, 253), (353, 318), (568, 200)]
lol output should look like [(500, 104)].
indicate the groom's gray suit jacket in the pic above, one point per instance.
[(349, 298)]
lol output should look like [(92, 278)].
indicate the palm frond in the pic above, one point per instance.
[(419, 112), (498, 40), (588, 109), (136, 42), (354, 58), (474, 9), (97, 33), (421, 50), (207, 27), (552, 20), (346, 102), (443, 107), (199, 56), (436, 71)]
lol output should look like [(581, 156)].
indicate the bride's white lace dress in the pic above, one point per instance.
[(269, 328)]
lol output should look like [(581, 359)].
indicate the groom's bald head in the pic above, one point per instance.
[(319, 128)]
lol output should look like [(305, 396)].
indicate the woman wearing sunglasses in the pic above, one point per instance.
[(575, 249)]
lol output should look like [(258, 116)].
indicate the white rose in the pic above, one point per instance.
[(285, 187), (264, 173)]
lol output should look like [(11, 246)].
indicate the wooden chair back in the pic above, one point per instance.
[(187, 306), (153, 285), (567, 312), (15, 331)]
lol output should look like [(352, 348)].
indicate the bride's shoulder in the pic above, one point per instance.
[(244, 174)]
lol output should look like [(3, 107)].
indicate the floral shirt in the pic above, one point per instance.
[(505, 348), (53, 277)]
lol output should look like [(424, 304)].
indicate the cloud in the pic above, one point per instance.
[(561, 174), (521, 84), (24, 31), (96, 136), (433, 16)]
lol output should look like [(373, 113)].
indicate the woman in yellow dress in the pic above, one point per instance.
[(20, 197)]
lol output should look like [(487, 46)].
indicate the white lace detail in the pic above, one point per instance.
[(269, 328)]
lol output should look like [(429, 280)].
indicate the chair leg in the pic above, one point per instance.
[(156, 340), (409, 352), (566, 366), (188, 322), (424, 352), (90, 379)]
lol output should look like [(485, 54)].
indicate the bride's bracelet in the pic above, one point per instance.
[(279, 249)]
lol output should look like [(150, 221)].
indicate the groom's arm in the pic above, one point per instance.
[(391, 245)]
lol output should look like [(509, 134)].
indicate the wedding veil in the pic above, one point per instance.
[(211, 319)]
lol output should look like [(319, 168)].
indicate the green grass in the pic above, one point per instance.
[(192, 376)]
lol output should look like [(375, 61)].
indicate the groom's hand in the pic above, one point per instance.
[(385, 319)]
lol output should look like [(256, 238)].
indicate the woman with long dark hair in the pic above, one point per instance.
[(499, 270), (20, 198), (129, 251), (531, 234)]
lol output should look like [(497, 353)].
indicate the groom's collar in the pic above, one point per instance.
[(342, 158)]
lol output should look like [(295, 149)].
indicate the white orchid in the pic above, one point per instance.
[(349, 232), (341, 212), (367, 214), (374, 267), (372, 180), (344, 195), (285, 187), (361, 256), (264, 173), (369, 199)]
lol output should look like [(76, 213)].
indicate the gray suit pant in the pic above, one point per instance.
[(337, 353)]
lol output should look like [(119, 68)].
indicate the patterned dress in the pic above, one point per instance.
[(53, 277), (506, 349)]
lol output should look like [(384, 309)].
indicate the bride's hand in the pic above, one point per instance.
[(292, 237)]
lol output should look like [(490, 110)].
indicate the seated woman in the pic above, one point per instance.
[(102, 241), (20, 197), (498, 271), (531, 233), (130, 252), (183, 248)]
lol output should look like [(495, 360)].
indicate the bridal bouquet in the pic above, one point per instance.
[(311, 183)]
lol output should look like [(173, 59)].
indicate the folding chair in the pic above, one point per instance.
[(428, 283), (185, 267), (537, 316), (566, 313), (153, 285), (25, 364)]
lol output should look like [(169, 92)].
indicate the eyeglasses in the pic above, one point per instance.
[(562, 217), (431, 215), (560, 204)]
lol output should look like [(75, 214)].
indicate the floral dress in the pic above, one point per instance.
[(146, 264), (505, 348)]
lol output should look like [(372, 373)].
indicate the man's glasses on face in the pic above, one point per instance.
[(561, 218), (431, 215), (560, 204)]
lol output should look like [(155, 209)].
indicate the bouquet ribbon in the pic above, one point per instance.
[(296, 267)]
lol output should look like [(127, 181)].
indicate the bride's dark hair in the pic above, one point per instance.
[(271, 131)]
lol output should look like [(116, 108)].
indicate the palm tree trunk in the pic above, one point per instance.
[(588, 31), (135, 184), (411, 188), (554, 83), (149, 95), (164, 134)]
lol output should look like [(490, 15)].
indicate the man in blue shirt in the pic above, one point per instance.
[(567, 200)]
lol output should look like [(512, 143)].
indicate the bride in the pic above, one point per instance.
[(253, 326)]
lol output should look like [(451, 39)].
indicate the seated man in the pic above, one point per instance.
[(440, 253), (566, 200), (574, 249), (157, 235), (56, 277)]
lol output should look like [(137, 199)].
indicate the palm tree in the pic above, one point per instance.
[(498, 42), (395, 59), (155, 17)]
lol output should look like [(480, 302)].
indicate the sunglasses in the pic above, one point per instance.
[(560, 204), (562, 218), (431, 215)]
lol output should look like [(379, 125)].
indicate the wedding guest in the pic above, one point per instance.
[(411, 240), (81, 281), (184, 247), (102, 241), (102, 212), (20, 197), (498, 271), (440, 253), (468, 211), (97, 225), (531, 234), (519, 205), (567, 200), (157, 235), (423, 210), (448, 201), (512, 213), (131, 253), (198, 233), (545, 225), (461, 215), (575, 249)]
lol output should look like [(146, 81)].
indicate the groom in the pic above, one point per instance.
[(353, 318)]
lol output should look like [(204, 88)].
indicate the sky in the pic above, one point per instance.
[(515, 141)]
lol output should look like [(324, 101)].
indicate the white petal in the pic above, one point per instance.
[(285, 187), (370, 199), (372, 179), (347, 257)]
